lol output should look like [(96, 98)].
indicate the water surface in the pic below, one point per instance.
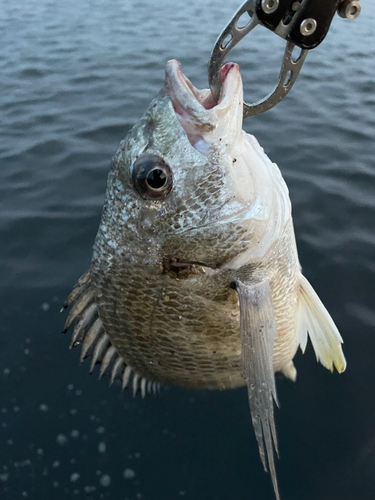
[(74, 77)]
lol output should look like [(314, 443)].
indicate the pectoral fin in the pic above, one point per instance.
[(258, 333)]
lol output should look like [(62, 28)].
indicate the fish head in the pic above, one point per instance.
[(186, 184)]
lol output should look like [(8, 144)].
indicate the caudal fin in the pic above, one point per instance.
[(314, 319)]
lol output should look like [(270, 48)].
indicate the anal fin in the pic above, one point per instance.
[(89, 331), (258, 333)]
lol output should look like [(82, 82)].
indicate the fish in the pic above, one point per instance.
[(195, 279)]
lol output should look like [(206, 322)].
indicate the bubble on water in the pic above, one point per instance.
[(39, 451), (4, 410), (70, 387), (56, 464), (105, 480), (24, 463), (98, 472), (27, 341), (75, 433), (73, 461), (182, 493), (26, 351), (4, 477), (62, 439), (10, 442), (100, 430), (129, 474), (45, 306), (55, 484), (6, 371), (43, 407), (102, 447), (25, 494), (139, 496), (89, 489), (137, 454), (73, 411), (16, 408), (74, 477), (78, 392)]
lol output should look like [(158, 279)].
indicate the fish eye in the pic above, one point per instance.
[(152, 177)]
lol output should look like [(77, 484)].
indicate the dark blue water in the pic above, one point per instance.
[(74, 77)]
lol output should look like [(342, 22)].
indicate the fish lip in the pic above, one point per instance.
[(194, 105)]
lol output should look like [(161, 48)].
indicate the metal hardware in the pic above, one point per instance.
[(269, 6), (349, 9), (302, 23), (287, 19), (308, 27), (230, 36), (288, 75)]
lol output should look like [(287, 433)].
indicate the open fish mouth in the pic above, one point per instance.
[(197, 110)]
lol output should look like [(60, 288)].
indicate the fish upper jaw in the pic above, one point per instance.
[(200, 115)]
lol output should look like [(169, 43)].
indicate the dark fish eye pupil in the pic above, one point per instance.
[(156, 179), (152, 177)]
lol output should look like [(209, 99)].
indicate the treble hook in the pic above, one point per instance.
[(230, 36)]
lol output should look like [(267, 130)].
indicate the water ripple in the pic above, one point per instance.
[(75, 77)]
